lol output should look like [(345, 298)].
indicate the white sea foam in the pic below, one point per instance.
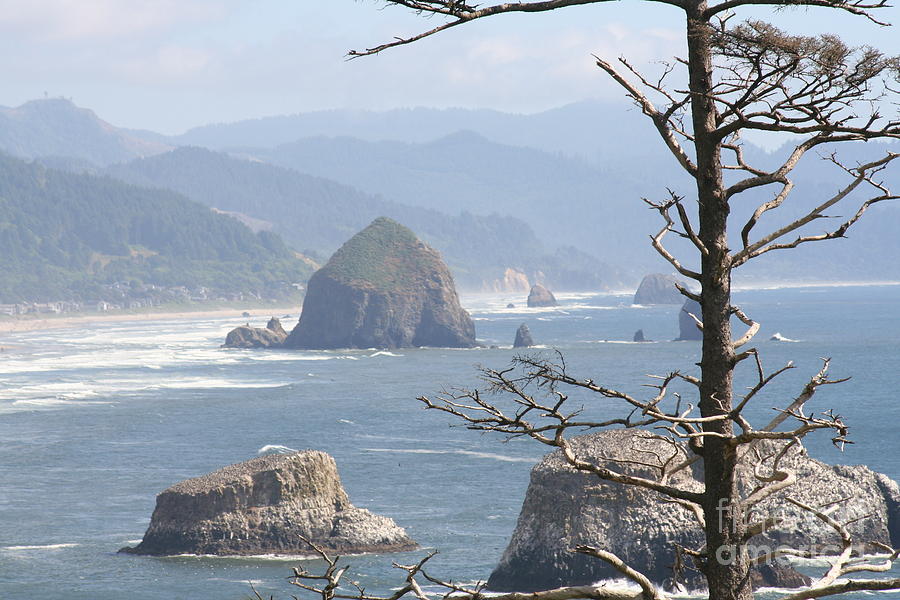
[(200, 383), (288, 357), (41, 547), (383, 353), (346, 422), (46, 404), (777, 337), (619, 342), (275, 449), (783, 285), (487, 455)]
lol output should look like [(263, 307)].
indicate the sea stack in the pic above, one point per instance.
[(658, 288), (687, 327), (523, 337), (541, 296), (245, 336), (639, 336), (564, 508), (266, 505), (382, 289)]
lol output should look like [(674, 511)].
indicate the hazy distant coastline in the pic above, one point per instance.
[(22, 324)]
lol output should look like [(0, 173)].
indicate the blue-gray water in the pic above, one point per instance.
[(95, 421)]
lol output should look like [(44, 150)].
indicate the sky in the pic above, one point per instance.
[(168, 65)]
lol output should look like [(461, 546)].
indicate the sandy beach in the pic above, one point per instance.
[(257, 318)]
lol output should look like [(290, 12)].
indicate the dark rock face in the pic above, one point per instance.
[(382, 289), (639, 336), (564, 508), (687, 327), (523, 337), (263, 506), (510, 305), (541, 296), (245, 336), (657, 288), (891, 492)]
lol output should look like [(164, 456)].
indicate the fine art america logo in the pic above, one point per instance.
[(738, 517)]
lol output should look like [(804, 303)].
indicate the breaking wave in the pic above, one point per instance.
[(275, 449), (487, 455)]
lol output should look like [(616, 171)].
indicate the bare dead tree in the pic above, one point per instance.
[(745, 77)]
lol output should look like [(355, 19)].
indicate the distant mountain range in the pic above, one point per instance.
[(57, 128), (488, 189), (317, 215)]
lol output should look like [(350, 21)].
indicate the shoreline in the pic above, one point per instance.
[(20, 325)]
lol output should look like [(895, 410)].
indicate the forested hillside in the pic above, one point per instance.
[(316, 214), (66, 236)]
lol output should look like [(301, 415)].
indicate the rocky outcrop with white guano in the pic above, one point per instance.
[(564, 508), (267, 505)]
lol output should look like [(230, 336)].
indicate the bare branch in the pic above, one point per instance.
[(863, 174), (650, 591), (463, 12), (660, 120)]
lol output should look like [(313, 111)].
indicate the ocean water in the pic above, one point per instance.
[(96, 420)]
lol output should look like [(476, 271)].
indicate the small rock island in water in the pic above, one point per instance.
[(273, 335), (264, 506), (658, 288), (541, 296)]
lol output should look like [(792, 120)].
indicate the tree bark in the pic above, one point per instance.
[(727, 571)]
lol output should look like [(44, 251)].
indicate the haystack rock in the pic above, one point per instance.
[(687, 327), (264, 506), (382, 289), (513, 281), (245, 336), (564, 508), (523, 337), (639, 336), (657, 288), (541, 296)]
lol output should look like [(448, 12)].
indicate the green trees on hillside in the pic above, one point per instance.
[(64, 236)]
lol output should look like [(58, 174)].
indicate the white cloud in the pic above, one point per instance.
[(74, 20), (169, 64)]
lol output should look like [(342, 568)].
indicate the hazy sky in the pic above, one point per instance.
[(169, 65)]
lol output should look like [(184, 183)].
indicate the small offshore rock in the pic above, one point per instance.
[(510, 305), (541, 296), (272, 336), (658, 288), (639, 336), (523, 337), (267, 505)]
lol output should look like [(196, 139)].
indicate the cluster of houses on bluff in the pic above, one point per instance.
[(123, 296)]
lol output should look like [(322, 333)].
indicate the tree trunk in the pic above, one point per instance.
[(726, 569)]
